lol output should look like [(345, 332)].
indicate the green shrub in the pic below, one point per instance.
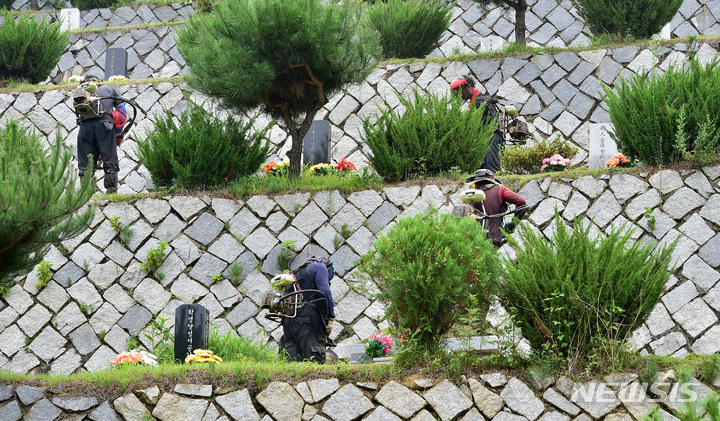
[(433, 135), (94, 4), (409, 28), (30, 50), (650, 114), (576, 291), (638, 18), (428, 268), (201, 151), (528, 160)]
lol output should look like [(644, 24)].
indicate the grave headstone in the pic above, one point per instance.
[(69, 19), (316, 145), (602, 146), (115, 62), (192, 330)]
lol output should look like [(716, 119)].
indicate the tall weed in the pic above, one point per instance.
[(431, 269), (431, 136), (662, 119), (409, 28), (576, 292), (201, 151)]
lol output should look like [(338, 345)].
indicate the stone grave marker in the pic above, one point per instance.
[(316, 145), (602, 146), (192, 330), (115, 62), (69, 19)]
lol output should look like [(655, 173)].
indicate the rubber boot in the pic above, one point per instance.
[(111, 182)]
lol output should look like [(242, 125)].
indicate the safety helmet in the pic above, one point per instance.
[(91, 78), (482, 175)]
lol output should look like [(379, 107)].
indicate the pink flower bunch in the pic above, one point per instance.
[(386, 340), (555, 163)]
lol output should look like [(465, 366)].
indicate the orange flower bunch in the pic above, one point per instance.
[(276, 168), (618, 160), (269, 166), (135, 357)]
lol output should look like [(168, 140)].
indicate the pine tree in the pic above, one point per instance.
[(285, 56), (39, 200)]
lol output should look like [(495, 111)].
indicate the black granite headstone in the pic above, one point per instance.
[(192, 329), (316, 145), (115, 62)]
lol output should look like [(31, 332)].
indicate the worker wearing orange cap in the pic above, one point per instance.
[(465, 86)]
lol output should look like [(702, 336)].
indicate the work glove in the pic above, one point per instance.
[(282, 280), (329, 327), (509, 227), (119, 118)]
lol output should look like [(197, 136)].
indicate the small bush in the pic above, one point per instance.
[(30, 50), (637, 18), (433, 135), (201, 151), (575, 291), (409, 28), (529, 160), (94, 4), (661, 119), (427, 268)]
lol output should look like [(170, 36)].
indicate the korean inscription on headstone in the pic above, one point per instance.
[(192, 322), (602, 146), (115, 62)]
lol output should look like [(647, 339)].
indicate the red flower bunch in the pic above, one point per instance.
[(344, 165)]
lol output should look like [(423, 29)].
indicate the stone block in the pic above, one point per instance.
[(522, 400), (694, 317), (205, 229)]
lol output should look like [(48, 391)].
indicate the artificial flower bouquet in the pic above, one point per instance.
[(555, 163), (379, 345), (618, 160), (320, 169), (344, 165), (135, 357), (277, 168), (202, 356)]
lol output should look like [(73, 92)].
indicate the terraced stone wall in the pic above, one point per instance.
[(558, 94), (473, 27), (492, 396), (99, 295)]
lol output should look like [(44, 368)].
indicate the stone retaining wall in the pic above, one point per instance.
[(491, 396), (558, 94), (473, 28), (99, 296)]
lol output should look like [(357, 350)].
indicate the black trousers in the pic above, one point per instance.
[(492, 159), (97, 138), (304, 337)]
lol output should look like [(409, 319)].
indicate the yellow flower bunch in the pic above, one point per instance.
[(117, 77), (75, 79), (202, 356), (320, 169)]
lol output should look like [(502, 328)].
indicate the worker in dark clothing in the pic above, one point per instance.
[(100, 119), (465, 86), (497, 199), (306, 335)]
